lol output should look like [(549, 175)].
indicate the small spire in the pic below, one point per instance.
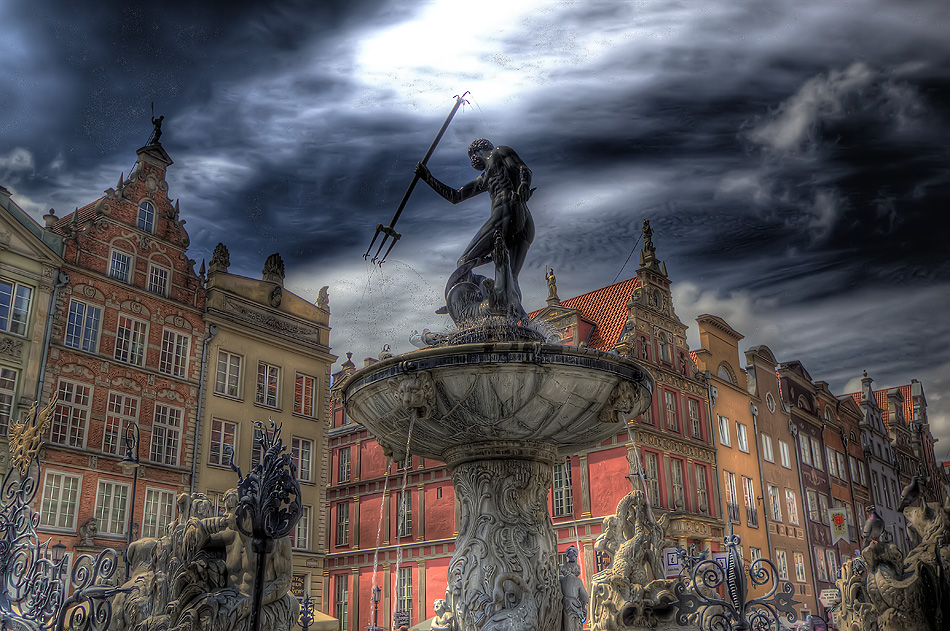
[(201, 272), (177, 210), (648, 258), (121, 179)]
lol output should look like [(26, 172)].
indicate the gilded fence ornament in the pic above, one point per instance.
[(26, 438)]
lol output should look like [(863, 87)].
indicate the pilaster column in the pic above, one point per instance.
[(386, 497), (420, 514), (585, 486), (423, 602), (356, 521), (354, 598), (356, 461)]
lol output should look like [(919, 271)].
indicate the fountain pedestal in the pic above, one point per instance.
[(499, 415)]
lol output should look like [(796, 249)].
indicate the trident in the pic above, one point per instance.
[(389, 231)]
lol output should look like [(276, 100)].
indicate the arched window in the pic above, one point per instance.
[(802, 403), (146, 217), (725, 373)]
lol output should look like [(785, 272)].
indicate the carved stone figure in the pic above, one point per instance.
[(89, 531), (157, 132), (444, 619), (504, 239), (220, 259), (856, 613), (552, 287), (199, 576), (575, 594), (273, 269), (630, 593), (622, 400), (416, 393), (323, 298)]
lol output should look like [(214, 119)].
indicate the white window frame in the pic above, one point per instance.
[(266, 373), (748, 490), (791, 501), (842, 468), (342, 603), (404, 602), (651, 471), (147, 210), (775, 503), (813, 509), (781, 563), (58, 497), (404, 514), (742, 437), (830, 458), (305, 404), (82, 329), (669, 406), (158, 278), (301, 534), (165, 445), (678, 483), (112, 512), (702, 489), (816, 454), (223, 429), (784, 455), (804, 444), (116, 263), (820, 563), (117, 420), (696, 425), (767, 454), (162, 501), (343, 523), (8, 395), (173, 358), (228, 375), (562, 491), (70, 422), (131, 340), (343, 465), (799, 567), (724, 438), (14, 315), (301, 453)]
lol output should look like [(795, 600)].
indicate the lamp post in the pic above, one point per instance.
[(377, 592), (130, 465)]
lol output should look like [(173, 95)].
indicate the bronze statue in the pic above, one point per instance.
[(157, 132), (504, 239)]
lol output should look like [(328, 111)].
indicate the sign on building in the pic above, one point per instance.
[(830, 597), (401, 618), (672, 564), (298, 585)]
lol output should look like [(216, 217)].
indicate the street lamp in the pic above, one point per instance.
[(130, 466), (377, 592)]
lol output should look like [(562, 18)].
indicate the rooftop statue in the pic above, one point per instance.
[(503, 239)]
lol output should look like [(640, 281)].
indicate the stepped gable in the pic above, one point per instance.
[(881, 396)]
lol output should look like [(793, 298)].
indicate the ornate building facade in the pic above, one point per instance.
[(125, 351), (268, 359), (30, 260)]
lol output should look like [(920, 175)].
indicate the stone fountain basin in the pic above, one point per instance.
[(459, 400)]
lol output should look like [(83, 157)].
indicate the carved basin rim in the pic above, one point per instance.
[(517, 396)]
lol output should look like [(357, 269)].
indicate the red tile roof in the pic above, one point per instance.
[(606, 308), (84, 213), (881, 396)]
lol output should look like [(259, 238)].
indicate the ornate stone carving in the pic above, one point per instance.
[(632, 591), (504, 573), (622, 400), (199, 576), (274, 323), (444, 618), (274, 269), (575, 594), (220, 260), (856, 613), (88, 531), (323, 298), (416, 393), (11, 347)]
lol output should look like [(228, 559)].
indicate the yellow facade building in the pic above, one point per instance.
[(267, 358)]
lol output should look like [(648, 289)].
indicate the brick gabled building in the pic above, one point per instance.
[(125, 346)]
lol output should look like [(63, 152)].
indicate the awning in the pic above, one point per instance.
[(425, 625)]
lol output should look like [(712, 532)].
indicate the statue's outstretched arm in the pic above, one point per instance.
[(453, 195)]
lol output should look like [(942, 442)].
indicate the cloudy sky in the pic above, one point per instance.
[(792, 156)]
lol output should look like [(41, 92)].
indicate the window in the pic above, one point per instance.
[(816, 454), (120, 268), (404, 519), (767, 448), (405, 589), (228, 378), (304, 390), (343, 523), (849, 516), (121, 412), (166, 429), (343, 473), (820, 563), (725, 373), (60, 499), (158, 280), (342, 600), (562, 490), (842, 471), (301, 454), (799, 567), (813, 511), (783, 453), (267, 378), (146, 217), (791, 501), (823, 507), (7, 395), (755, 553), (82, 326), (775, 504), (702, 493), (732, 499), (781, 563), (301, 534), (222, 433), (671, 420), (647, 416), (692, 406), (72, 411), (14, 307), (130, 339), (830, 456), (676, 477), (174, 358), (853, 464), (742, 437), (651, 471), (770, 401), (804, 448), (112, 505), (159, 512), (752, 516), (724, 431)]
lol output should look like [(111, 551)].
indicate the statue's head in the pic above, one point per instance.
[(571, 554), (439, 606), (478, 151)]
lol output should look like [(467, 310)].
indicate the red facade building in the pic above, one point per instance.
[(126, 342)]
